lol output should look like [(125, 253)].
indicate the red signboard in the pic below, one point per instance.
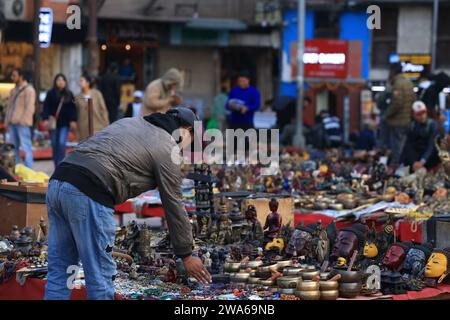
[(322, 59)]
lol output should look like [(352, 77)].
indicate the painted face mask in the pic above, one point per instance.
[(346, 243), (437, 266), (414, 262), (300, 242), (394, 257), (370, 250)]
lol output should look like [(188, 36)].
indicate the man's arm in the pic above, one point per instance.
[(430, 147), (153, 102), (255, 103), (168, 177)]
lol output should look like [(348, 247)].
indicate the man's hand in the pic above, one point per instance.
[(244, 110), (195, 268), (175, 100)]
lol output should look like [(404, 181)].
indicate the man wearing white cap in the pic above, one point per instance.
[(419, 150), (134, 108)]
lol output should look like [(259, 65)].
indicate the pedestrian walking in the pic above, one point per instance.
[(60, 116), (100, 112), (19, 116)]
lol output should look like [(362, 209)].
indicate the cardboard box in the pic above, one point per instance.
[(21, 205)]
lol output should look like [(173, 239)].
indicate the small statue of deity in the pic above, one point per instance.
[(272, 226)]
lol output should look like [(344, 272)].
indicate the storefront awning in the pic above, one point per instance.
[(216, 24)]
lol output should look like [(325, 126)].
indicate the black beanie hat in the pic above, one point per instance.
[(360, 231)]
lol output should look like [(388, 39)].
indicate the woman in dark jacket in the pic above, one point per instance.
[(60, 97)]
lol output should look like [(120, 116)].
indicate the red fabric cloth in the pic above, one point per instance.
[(424, 294), (405, 230), (34, 289), (153, 211)]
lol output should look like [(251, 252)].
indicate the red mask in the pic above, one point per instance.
[(394, 257)]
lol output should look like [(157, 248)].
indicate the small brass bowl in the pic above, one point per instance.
[(328, 285), (308, 295), (253, 280), (253, 264), (308, 286), (266, 282), (232, 266), (288, 282), (324, 276), (284, 264), (290, 291), (329, 295), (349, 290), (309, 275), (266, 268), (291, 271), (347, 276), (240, 277)]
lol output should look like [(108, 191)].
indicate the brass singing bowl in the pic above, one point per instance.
[(308, 286), (283, 264), (328, 285), (232, 266), (308, 295), (288, 282), (347, 276), (350, 290), (240, 277), (266, 268), (309, 275), (253, 280), (252, 264), (336, 206), (291, 271), (329, 295), (324, 276), (267, 282), (290, 291)]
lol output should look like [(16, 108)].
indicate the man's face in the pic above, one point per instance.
[(421, 118), (243, 82), (394, 257), (15, 77), (187, 135), (346, 244)]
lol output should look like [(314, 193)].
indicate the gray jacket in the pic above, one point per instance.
[(132, 156)]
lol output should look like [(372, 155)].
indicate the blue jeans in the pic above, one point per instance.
[(79, 229), (59, 144), (21, 137)]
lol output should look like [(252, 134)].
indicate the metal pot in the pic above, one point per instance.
[(350, 290), (347, 276), (308, 295), (309, 275), (329, 295), (308, 286), (291, 271), (288, 282), (289, 291), (328, 285), (336, 206)]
